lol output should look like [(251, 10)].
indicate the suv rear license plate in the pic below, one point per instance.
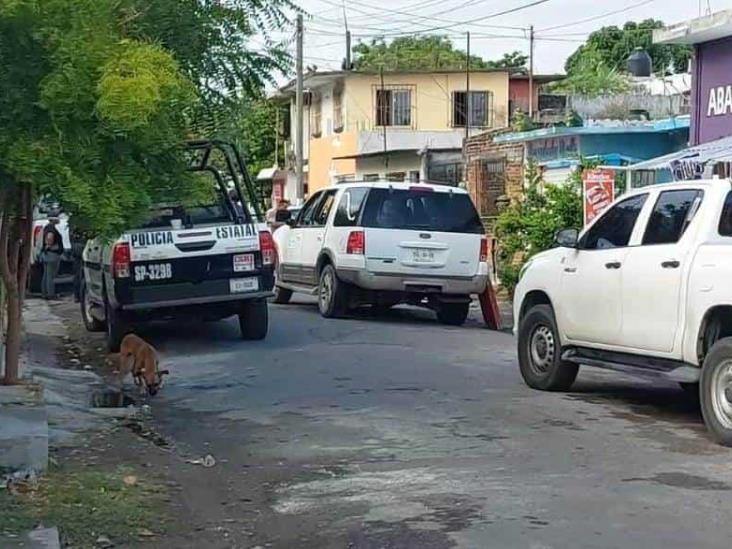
[(155, 271), (239, 285), (423, 256), (243, 263)]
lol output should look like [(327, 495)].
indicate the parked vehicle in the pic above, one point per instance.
[(643, 290), (381, 244), (40, 220), (209, 262)]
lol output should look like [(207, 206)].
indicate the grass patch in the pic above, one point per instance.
[(84, 505)]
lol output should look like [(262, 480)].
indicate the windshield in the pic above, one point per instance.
[(421, 210)]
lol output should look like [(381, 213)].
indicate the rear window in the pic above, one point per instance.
[(161, 215), (725, 221), (421, 210)]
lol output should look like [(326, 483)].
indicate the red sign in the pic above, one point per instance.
[(598, 191)]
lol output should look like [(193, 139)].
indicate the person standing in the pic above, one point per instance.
[(51, 252)]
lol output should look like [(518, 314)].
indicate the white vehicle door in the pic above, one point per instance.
[(652, 273), (314, 234), (589, 309), (292, 257), (93, 268), (422, 231)]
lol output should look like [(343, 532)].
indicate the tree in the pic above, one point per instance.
[(527, 226), (613, 45), (96, 99), (432, 52), (591, 76)]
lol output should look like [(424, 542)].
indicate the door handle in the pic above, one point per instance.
[(613, 265), (570, 269), (672, 264)]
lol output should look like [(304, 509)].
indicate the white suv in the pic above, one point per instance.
[(384, 243)]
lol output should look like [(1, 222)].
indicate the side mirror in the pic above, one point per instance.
[(283, 216), (567, 238)]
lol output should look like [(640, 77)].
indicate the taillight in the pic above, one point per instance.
[(37, 235), (267, 247), (356, 243), (483, 257), (121, 260)]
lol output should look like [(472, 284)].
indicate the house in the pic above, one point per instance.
[(402, 125), (495, 160), (710, 152)]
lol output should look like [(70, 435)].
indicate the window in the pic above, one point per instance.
[(725, 220), (449, 212), (672, 213), (396, 176), (338, 110), (320, 217), (393, 107), (316, 129), (614, 228), (306, 214), (371, 177), (480, 108), (414, 176), (349, 208)]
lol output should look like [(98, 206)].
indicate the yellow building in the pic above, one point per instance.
[(408, 126)]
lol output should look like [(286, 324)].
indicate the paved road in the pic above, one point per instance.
[(399, 432)]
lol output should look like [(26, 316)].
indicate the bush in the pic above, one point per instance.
[(528, 226)]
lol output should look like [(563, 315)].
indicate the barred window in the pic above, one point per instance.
[(393, 107)]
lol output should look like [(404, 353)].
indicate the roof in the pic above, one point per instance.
[(313, 78), (371, 143), (538, 78), (401, 185), (696, 31), (715, 151), (617, 127)]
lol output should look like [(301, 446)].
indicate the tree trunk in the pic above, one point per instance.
[(15, 233)]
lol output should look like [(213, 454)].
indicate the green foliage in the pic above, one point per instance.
[(613, 45), (521, 122), (432, 52), (527, 227), (590, 75)]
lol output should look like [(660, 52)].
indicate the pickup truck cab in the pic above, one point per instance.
[(381, 243), (644, 289)]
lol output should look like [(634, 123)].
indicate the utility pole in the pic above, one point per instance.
[(531, 72), (467, 90), (381, 114), (348, 51), (299, 141)]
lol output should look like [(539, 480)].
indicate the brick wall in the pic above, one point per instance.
[(493, 170)]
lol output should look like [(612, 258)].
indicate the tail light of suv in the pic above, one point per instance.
[(356, 243), (483, 257), (267, 247), (121, 260)]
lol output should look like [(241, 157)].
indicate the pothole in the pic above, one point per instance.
[(109, 398)]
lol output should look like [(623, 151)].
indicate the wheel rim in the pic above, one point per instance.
[(326, 291), (722, 393), (542, 349)]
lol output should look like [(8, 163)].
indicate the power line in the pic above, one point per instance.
[(601, 16)]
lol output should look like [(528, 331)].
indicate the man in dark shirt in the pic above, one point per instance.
[(51, 252)]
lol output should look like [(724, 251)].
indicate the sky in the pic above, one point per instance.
[(560, 25)]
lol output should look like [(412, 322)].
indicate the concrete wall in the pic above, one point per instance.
[(398, 162)]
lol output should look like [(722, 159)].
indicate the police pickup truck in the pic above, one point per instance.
[(206, 262)]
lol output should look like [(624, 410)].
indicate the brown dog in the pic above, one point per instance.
[(139, 358)]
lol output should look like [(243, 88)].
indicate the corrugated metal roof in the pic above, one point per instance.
[(716, 151)]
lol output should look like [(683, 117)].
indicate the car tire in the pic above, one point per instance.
[(35, 276), (540, 352), (117, 327), (254, 319), (332, 294), (90, 323), (453, 314), (282, 295), (715, 391)]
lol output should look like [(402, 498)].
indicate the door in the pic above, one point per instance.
[(292, 261), (652, 273), (314, 234), (92, 265), (590, 305), (422, 231)]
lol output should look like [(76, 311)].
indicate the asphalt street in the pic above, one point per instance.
[(396, 431)]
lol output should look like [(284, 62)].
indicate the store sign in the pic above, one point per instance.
[(598, 192), (720, 101)]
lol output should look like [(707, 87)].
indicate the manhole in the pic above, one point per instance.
[(110, 399)]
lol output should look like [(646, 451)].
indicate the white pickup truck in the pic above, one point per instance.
[(645, 289)]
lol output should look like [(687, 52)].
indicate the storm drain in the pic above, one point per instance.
[(109, 398)]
